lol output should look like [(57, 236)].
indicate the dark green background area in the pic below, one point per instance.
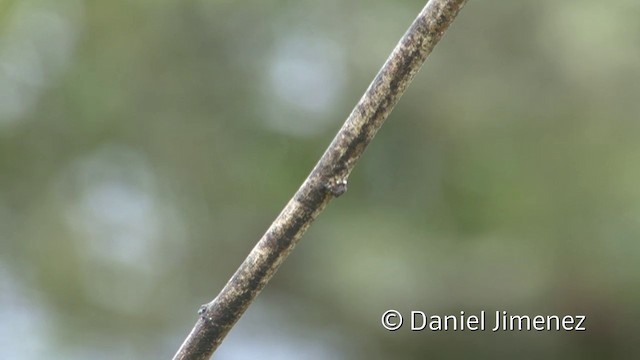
[(145, 146)]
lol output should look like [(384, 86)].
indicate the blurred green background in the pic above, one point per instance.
[(145, 146)]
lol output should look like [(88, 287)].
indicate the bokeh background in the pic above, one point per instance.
[(145, 146)]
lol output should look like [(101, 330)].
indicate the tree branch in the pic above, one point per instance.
[(327, 180)]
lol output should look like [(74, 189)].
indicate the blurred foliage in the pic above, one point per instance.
[(146, 145)]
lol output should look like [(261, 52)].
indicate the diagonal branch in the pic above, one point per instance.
[(327, 180)]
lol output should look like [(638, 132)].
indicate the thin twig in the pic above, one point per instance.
[(327, 180)]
